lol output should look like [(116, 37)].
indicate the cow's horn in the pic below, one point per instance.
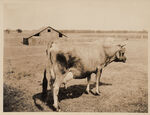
[(122, 44)]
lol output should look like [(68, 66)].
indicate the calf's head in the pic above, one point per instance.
[(120, 54)]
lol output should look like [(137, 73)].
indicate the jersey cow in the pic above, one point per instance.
[(76, 60)]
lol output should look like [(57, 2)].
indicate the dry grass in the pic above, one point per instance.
[(124, 87)]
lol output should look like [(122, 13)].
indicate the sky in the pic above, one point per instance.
[(77, 14)]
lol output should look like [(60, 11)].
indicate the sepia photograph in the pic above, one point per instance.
[(75, 56)]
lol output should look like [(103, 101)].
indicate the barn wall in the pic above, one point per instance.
[(50, 34), (44, 37), (35, 41)]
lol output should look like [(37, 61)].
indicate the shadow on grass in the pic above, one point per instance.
[(71, 92), (13, 99)]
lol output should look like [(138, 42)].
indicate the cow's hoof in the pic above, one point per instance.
[(97, 93), (57, 109), (87, 92), (65, 85)]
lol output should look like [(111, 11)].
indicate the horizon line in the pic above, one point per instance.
[(90, 30)]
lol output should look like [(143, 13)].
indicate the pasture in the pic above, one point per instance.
[(123, 86)]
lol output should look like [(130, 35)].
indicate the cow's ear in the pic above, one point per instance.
[(119, 45)]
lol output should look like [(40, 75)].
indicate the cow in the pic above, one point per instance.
[(77, 60)]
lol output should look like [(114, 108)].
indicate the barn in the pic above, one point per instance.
[(42, 36)]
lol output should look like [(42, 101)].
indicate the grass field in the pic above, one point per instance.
[(124, 86)]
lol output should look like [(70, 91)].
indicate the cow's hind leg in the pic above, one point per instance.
[(55, 96), (44, 85), (58, 81), (55, 88)]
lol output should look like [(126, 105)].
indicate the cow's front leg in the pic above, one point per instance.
[(88, 84), (98, 75)]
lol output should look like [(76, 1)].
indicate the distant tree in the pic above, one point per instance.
[(19, 30), (7, 31)]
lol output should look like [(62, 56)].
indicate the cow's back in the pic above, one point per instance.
[(89, 54)]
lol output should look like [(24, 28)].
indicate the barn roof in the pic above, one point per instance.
[(43, 29)]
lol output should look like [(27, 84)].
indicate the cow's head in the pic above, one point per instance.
[(120, 54)]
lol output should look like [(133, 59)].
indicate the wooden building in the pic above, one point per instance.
[(42, 36)]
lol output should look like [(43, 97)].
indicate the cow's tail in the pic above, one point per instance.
[(48, 66), (49, 46), (51, 62)]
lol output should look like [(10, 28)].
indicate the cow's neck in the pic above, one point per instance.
[(109, 59)]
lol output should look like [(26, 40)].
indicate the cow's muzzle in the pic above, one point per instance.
[(121, 59), (124, 59)]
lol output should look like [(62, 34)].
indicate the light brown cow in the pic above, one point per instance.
[(76, 60)]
